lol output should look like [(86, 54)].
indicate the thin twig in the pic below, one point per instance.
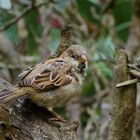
[(126, 83), (66, 40), (24, 12)]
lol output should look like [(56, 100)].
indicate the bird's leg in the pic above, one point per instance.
[(56, 117)]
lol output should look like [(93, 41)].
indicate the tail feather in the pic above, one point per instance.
[(4, 93), (10, 97)]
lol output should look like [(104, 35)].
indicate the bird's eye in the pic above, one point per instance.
[(74, 56)]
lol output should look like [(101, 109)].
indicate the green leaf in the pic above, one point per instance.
[(104, 69), (95, 2), (123, 14), (88, 89), (85, 10), (34, 30), (55, 36), (11, 32), (105, 49)]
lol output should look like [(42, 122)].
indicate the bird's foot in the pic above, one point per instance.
[(60, 119), (56, 119), (57, 122)]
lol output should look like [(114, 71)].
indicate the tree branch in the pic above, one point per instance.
[(24, 12), (66, 40), (124, 102), (30, 122)]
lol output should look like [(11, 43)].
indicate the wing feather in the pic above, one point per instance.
[(22, 75), (44, 76), (53, 75)]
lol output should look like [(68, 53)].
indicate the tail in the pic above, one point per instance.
[(10, 97)]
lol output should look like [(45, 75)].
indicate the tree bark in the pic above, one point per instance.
[(124, 102), (30, 122)]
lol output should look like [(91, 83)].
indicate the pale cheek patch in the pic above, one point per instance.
[(74, 63)]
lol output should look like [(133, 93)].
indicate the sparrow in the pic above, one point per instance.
[(54, 82)]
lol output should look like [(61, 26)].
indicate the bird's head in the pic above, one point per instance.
[(77, 54)]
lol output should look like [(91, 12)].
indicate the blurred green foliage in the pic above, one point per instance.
[(123, 17), (34, 29), (55, 33), (85, 9), (95, 23)]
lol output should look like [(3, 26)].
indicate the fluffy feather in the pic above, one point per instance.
[(54, 82)]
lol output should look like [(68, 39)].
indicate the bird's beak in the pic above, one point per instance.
[(82, 63), (82, 59)]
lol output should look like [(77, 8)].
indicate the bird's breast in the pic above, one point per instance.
[(58, 97)]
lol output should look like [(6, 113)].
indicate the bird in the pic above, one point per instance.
[(52, 83)]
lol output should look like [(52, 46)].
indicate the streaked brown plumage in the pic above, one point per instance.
[(54, 82)]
